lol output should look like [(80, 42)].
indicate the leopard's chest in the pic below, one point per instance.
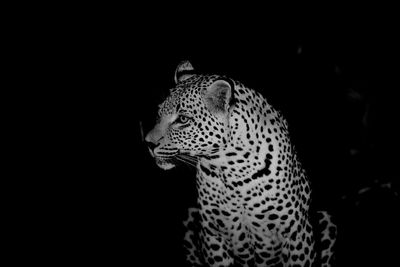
[(240, 214), (255, 203)]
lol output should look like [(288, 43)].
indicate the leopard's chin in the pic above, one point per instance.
[(165, 164)]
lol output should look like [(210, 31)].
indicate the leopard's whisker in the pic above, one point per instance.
[(193, 159), (185, 160)]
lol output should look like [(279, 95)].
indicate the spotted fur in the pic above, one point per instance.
[(253, 194)]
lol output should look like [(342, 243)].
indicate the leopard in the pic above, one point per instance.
[(253, 194)]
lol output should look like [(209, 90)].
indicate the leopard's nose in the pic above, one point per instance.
[(151, 137), (151, 145)]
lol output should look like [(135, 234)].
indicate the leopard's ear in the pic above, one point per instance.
[(183, 71), (218, 96)]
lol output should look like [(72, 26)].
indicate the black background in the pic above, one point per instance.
[(103, 199)]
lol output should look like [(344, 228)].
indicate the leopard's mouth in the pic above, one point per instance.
[(167, 160)]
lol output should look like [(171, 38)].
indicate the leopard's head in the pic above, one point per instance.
[(193, 121)]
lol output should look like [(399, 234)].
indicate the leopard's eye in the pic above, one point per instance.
[(182, 119)]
